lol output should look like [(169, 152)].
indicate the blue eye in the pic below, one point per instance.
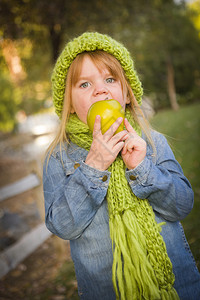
[(85, 84), (110, 80)]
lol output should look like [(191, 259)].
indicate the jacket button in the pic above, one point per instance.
[(132, 177), (104, 178), (76, 165)]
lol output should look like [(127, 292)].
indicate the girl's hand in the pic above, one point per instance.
[(134, 150), (105, 148)]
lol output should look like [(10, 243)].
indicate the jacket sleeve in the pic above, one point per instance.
[(72, 197), (162, 182)]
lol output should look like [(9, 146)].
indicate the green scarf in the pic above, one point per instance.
[(141, 267)]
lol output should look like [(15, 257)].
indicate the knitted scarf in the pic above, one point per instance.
[(141, 267)]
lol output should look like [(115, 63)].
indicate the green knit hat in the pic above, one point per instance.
[(91, 41)]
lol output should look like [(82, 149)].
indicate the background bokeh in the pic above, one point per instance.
[(163, 37)]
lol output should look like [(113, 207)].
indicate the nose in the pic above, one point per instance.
[(100, 89)]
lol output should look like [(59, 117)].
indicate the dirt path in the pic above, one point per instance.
[(36, 277), (48, 272)]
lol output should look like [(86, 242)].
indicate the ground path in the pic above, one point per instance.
[(35, 276)]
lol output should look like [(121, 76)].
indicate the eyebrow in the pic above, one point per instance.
[(91, 76), (84, 78)]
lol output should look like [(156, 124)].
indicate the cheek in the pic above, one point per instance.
[(121, 99), (81, 108), (118, 93)]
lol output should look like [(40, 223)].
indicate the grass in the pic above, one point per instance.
[(182, 129)]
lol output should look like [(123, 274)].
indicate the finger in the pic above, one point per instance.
[(128, 126), (97, 125), (118, 147), (129, 144), (110, 132), (120, 136), (127, 149), (124, 150)]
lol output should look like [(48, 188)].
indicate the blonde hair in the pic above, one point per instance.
[(102, 60)]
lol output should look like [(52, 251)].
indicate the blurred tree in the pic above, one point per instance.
[(170, 48), (54, 16), (24, 18), (194, 13)]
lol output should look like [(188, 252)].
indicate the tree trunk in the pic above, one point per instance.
[(55, 36), (171, 85), (13, 61)]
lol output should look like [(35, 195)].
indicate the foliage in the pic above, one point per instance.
[(8, 104), (177, 43), (194, 13), (27, 90)]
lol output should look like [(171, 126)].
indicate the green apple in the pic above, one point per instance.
[(109, 110)]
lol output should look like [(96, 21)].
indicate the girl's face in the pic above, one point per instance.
[(94, 85)]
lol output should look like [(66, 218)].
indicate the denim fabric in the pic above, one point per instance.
[(76, 210)]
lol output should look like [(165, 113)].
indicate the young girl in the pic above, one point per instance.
[(119, 197)]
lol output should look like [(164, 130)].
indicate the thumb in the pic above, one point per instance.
[(128, 126)]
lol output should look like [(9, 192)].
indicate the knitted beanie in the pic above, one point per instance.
[(91, 41)]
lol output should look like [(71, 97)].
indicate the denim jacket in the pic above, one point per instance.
[(76, 210)]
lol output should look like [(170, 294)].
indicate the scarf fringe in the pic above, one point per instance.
[(127, 260), (169, 295)]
